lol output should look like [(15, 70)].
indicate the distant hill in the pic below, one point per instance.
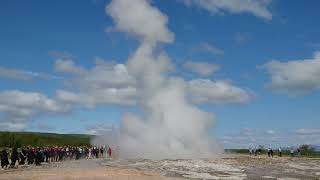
[(34, 139)]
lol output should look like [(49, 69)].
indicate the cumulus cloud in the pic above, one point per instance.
[(295, 77), (90, 99), (68, 66), (217, 92), (201, 68), (18, 107), (105, 83), (108, 83), (258, 8)]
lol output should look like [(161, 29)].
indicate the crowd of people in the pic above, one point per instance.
[(11, 158), (270, 152)]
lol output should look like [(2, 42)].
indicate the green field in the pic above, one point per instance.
[(36, 139)]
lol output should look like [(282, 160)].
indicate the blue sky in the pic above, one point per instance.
[(35, 34)]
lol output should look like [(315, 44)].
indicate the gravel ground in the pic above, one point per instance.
[(226, 167), (82, 169), (230, 167)]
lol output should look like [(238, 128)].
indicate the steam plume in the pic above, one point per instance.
[(170, 126)]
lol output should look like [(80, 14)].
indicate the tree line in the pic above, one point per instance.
[(35, 139)]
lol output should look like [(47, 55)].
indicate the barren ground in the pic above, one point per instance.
[(227, 167)]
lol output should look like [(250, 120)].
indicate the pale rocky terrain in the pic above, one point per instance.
[(226, 167)]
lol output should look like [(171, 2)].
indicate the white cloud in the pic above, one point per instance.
[(23, 75), (90, 99), (16, 74), (28, 100), (201, 68), (103, 74), (107, 83), (100, 129), (258, 8), (270, 131), (68, 66), (8, 126), (308, 131), (217, 92), (107, 75), (206, 47), (61, 54), (129, 15), (103, 84), (295, 77), (18, 107)]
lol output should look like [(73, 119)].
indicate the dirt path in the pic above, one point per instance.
[(81, 169)]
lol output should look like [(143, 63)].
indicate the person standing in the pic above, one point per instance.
[(14, 157), (109, 151), (38, 158), (96, 151), (299, 152), (30, 156), (22, 158), (101, 151), (90, 151), (4, 158), (280, 152), (292, 152)]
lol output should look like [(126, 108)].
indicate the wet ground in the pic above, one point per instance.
[(226, 167)]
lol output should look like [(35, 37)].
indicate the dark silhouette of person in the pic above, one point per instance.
[(101, 151), (299, 152), (30, 156), (77, 152), (14, 157), (110, 151), (96, 152), (22, 158), (38, 157), (4, 158)]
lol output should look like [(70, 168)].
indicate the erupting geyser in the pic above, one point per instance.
[(170, 126)]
